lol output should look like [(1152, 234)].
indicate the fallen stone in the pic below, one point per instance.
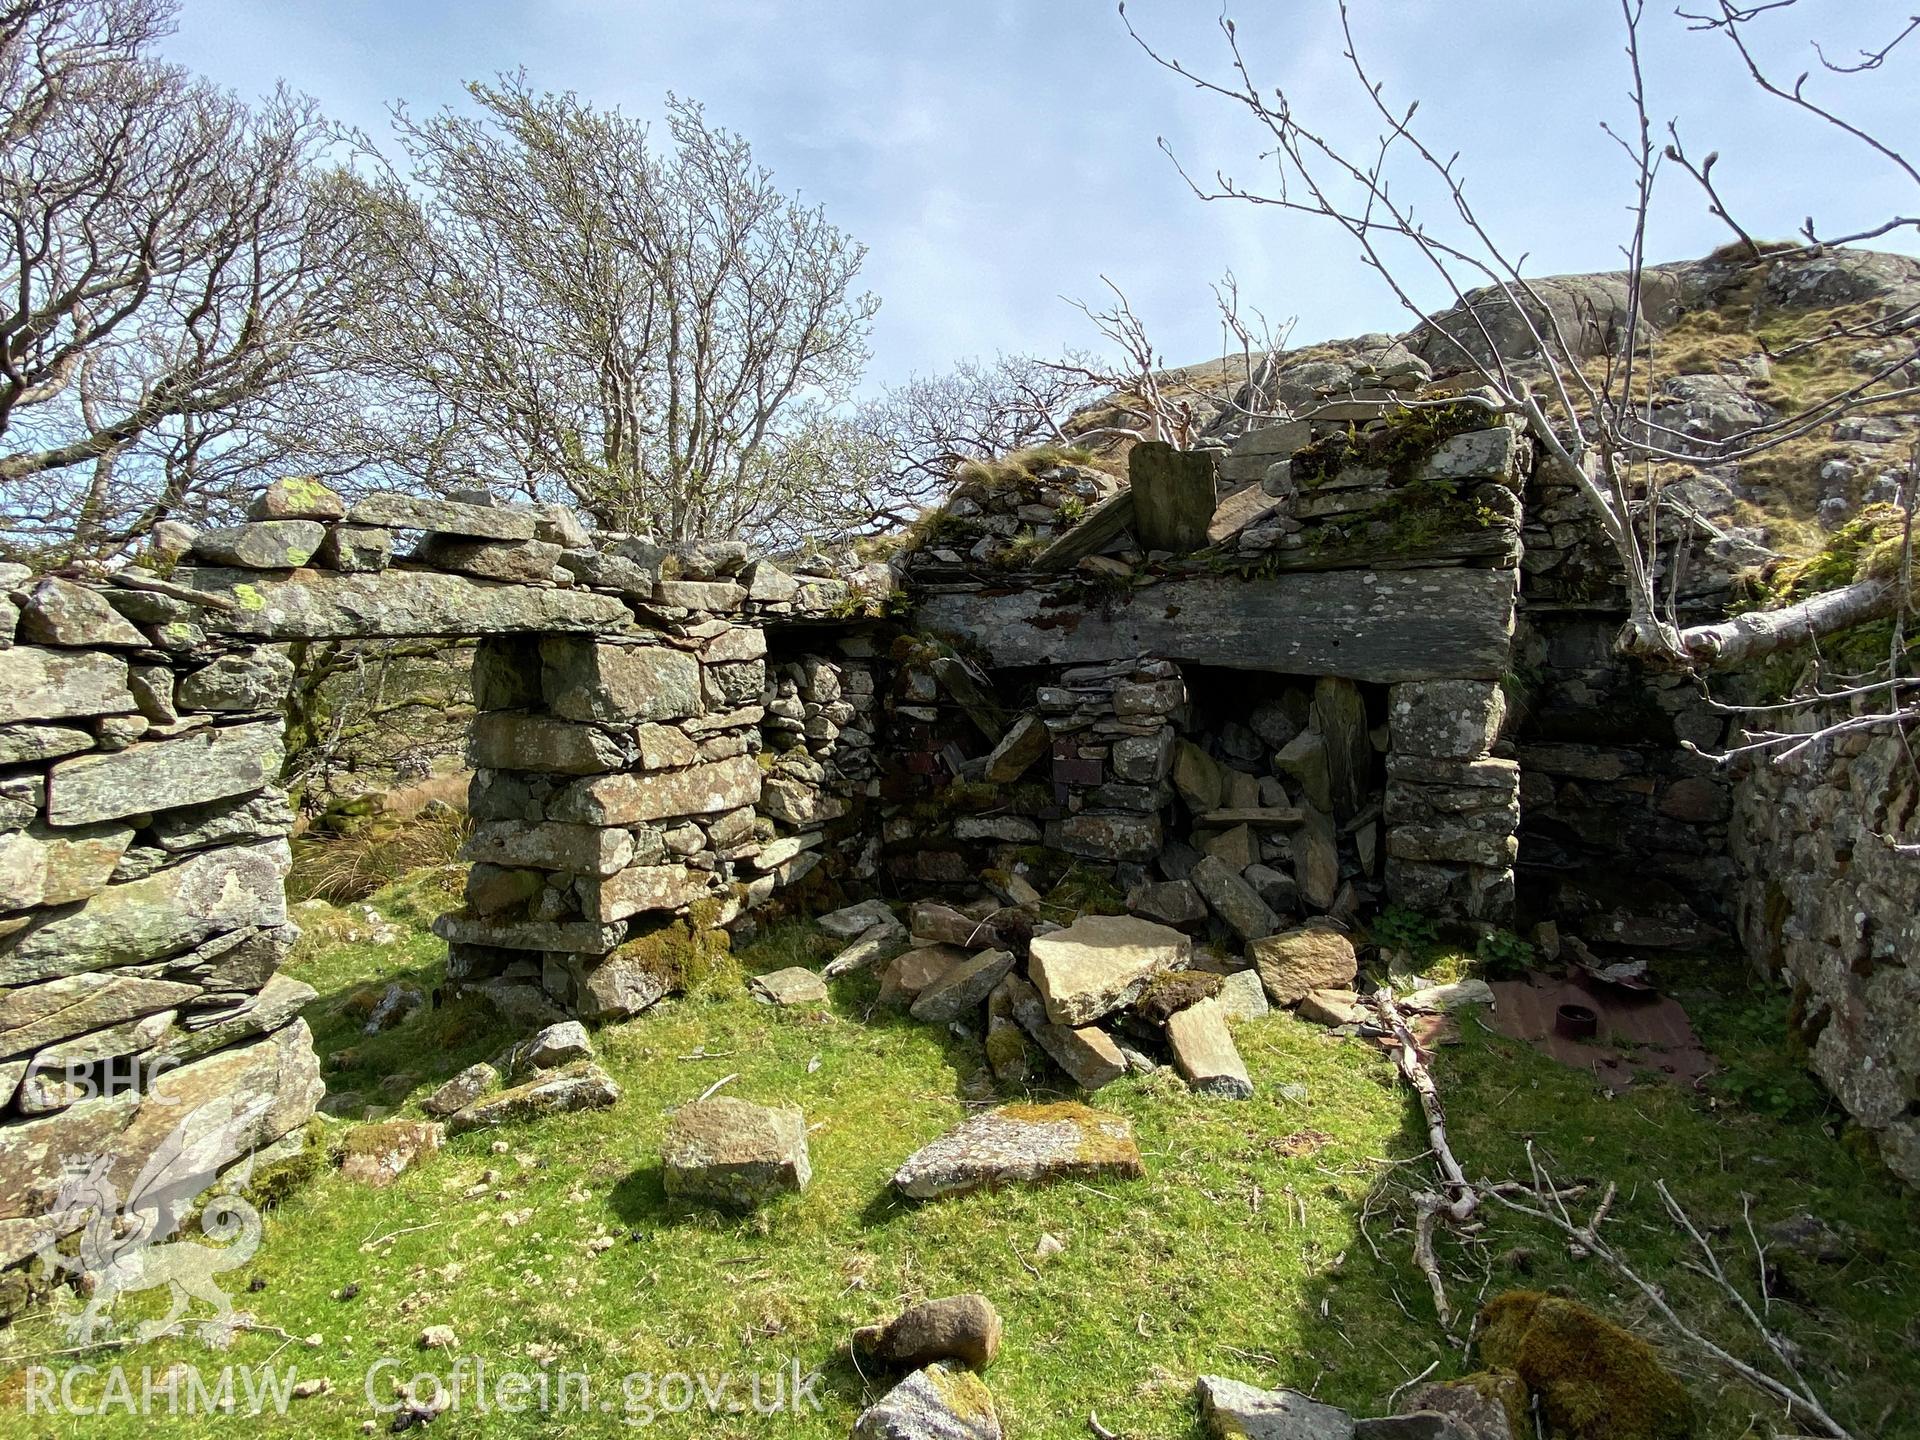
[(40, 684), (581, 1086), (1022, 745), (557, 1045), (1460, 994), (621, 986), (448, 517), (934, 923), (965, 1328), (1099, 836), (1174, 990), (880, 943), (1313, 957), (1275, 888), (462, 1090), (854, 920), (795, 985), (941, 1402), (1019, 1144), (1231, 1410), (1233, 899), (1197, 778), (261, 544), (1242, 996), (1169, 902), (1316, 860), (1204, 1052), (1100, 963), (1236, 848), (735, 1154), (60, 612), (1477, 1416), (1304, 760), (165, 774), (963, 988), (1334, 1007), (914, 970), (378, 1155)]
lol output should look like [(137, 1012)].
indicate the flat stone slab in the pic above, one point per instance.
[(446, 517), (795, 985), (40, 684), (327, 604), (962, 988), (206, 765), (1100, 963), (941, 1402), (1377, 626), (1022, 1144), (735, 1154), (1231, 1410), (582, 1086), (1204, 1052), (1294, 962), (165, 913)]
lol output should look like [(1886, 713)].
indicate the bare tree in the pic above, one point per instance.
[(1593, 424), (579, 310), (173, 266)]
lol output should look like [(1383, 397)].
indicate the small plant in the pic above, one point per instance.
[(1073, 509), (1503, 954), (1398, 928)]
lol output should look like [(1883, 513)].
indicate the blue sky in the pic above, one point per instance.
[(997, 155)]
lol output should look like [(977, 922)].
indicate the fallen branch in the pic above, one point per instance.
[(1459, 1203), (1798, 1396)]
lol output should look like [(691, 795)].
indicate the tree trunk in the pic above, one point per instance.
[(1761, 632)]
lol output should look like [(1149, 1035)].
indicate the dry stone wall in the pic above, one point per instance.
[(623, 698), (1829, 901)]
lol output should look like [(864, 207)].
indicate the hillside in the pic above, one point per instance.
[(1731, 342)]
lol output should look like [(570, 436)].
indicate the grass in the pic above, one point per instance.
[(1267, 1240), (377, 852)]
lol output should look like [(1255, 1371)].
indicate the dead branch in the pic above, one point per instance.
[(1460, 1201), (1795, 1394)]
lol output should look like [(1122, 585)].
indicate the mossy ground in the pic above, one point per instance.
[(1267, 1240)]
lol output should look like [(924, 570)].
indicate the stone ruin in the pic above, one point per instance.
[(1363, 659)]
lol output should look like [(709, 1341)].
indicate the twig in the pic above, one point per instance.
[(708, 1093), (1796, 1397), (1100, 1431), (1394, 1394)]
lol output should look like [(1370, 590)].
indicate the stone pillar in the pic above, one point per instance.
[(1452, 810)]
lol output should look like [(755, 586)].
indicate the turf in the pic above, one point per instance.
[(1266, 1242)]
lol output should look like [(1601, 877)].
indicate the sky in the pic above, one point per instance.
[(996, 156)]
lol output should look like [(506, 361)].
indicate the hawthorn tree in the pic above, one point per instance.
[(576, 309), (174, 265)]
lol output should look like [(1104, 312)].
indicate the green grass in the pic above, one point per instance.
[(1267, 1241)]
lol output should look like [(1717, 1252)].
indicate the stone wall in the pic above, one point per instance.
[(624, 703), (1828, 847)]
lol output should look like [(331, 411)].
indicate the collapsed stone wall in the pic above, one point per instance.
[(1828, 845)]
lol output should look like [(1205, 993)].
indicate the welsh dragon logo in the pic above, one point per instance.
[(127, 1243)]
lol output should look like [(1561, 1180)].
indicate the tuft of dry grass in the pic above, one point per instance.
[(376, 853)]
